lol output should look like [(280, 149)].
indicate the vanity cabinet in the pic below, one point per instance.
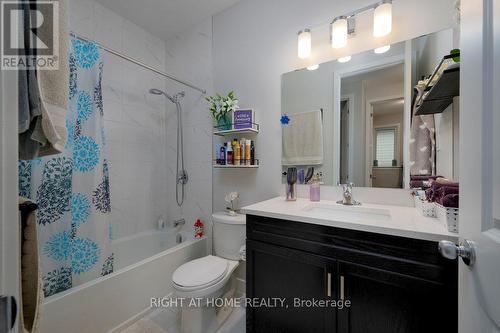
[(393, 284)]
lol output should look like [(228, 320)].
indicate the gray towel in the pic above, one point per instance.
[(31, 136)]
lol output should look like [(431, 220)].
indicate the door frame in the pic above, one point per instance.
[(9, 216), (350, 100), (369, 144)]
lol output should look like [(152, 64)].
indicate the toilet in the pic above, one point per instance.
[(207, 278)]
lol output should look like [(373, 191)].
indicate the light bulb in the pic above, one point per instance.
[(339, 32), (304, 44), (344, 59), (382, 19), (313, 67), (382, 49)]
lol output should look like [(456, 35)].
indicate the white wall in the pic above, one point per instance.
[(255, 42)]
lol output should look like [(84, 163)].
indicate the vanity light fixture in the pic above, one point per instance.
[(344, 26), (382, 49), (313, 67), (339, 32), (304, 43), (382, 19), (344, 59)]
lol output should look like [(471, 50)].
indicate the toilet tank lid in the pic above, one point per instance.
[(224, 217)]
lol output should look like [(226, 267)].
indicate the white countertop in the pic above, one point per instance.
[(403, 221)]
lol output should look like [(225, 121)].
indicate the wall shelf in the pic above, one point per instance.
[(231, 166), (220, 132), (438, 97)]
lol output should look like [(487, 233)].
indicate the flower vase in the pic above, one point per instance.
[(224, 123)]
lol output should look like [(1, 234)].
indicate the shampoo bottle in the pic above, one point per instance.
[(229, 154), (247, 152), (237, 152), (222, 155)]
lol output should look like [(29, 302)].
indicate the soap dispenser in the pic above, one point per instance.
[(314, 188)]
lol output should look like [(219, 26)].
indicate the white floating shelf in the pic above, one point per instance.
[(253, 129), (220, 166)]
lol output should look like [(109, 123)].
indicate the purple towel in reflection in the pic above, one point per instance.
[(450, 201), (443, 191)]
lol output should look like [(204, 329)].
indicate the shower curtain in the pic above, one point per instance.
[(72, 188)]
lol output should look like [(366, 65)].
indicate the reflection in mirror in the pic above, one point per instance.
[(355, 122), (374, 99)]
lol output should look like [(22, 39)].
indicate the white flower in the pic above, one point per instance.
[(230, 197)]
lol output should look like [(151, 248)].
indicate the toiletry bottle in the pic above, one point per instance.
[(247, 152), (242, 151), (229, 154), (237, 152), (314, 188), (252, 153), (222, 155)]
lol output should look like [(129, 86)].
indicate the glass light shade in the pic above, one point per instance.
[(382, 20), (344, 59), (313, 67), (339, 33), (382, 49), (304, 44)]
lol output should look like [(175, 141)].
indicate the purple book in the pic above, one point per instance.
[(243, 118)]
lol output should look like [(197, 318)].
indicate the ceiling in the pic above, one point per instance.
[(165, 18)]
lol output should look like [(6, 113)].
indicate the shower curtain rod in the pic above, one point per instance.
[(137, 62)]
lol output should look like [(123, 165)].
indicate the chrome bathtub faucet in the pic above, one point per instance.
[(179, 222)]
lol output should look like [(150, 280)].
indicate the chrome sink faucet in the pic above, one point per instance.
[(348, 200)]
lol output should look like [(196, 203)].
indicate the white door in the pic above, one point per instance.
[(479, 284)]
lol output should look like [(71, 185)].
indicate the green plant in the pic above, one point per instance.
[(221, 106)]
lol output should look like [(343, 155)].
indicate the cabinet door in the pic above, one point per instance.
[(383, 301), (278, 272)]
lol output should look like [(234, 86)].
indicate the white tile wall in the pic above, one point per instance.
[(141, 128), (134, 120), (189, 57)]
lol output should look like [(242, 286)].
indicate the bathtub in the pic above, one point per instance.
[(144, 264)]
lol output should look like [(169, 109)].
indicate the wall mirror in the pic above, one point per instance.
[(363, 120)]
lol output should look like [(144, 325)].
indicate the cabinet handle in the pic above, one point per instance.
[(342, 287), (329, 285)]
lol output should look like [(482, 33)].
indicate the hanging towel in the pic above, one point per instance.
[(54, 85), (303, 139), (31, 282), (422, 140), (31, 137)]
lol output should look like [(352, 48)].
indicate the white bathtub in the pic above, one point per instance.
[(144, 265)]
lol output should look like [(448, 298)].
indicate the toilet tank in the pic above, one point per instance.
[(229, 234)]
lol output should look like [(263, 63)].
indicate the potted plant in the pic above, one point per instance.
[(221, 108)]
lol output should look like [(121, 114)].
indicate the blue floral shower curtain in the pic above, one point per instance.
[(72, 188)]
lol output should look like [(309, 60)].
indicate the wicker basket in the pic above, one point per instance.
[(448, 217)]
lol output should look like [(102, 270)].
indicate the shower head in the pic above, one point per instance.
[(173, 99)]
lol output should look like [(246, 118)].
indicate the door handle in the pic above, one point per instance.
[(329, 284), (8, 313), (466, 251)]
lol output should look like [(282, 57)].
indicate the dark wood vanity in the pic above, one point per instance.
[(393, 284)]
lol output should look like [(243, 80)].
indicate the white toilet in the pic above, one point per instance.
[(208, 277)]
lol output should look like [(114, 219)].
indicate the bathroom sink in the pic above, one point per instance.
[(350, 213)]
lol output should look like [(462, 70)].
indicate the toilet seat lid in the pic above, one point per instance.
[(200, 272)]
